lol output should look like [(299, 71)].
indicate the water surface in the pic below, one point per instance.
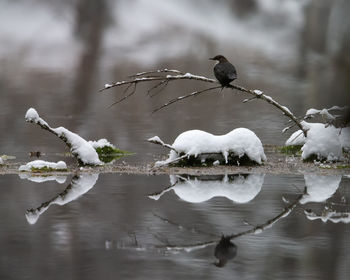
[(114, 226)]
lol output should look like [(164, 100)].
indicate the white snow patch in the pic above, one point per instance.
[(320, 188), (323, 141), (79, 146), (240, 141), (32, 115), (287, 109), (297, 138), (41, 164), (257, 92), (101, 143)]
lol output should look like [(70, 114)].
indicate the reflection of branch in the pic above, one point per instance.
[(79, 186), (162, 76), (257, 229), (192, 229)]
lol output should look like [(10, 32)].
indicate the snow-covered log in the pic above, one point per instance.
[(79, 147)]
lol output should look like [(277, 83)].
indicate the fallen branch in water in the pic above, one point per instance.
[(163, 77)]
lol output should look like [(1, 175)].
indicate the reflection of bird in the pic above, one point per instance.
[(224, 251), (224, 71)]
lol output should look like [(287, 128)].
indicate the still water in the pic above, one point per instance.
[(110, 226)]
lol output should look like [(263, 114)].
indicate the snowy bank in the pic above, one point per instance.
[(85, 151), (325, 142), (38, 165), (232, 146), (237, 188)]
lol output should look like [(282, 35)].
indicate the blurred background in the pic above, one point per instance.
[(56, 55)]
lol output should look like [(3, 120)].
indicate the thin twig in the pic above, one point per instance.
[(193, 230), (184, 97), (125, 97)]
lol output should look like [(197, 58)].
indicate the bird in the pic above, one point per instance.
[(225, 250), (224, 71)]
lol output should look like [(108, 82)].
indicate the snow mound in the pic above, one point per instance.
[(39, 164), (240, 142), (326, 142), (79, 147), (320, 188), (238, 189)]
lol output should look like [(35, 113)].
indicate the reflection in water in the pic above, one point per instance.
[(328, 215), (61, 179), (80, 185), (225, 251), (320, 188), (197, 189)]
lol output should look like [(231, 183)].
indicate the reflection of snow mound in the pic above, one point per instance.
[(79, 186), (320, 188), (40, 179), (329, 215), (239, 188)]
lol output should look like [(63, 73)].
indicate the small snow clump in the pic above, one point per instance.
[(101, 143)]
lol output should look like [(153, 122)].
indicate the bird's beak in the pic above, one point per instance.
[(212, 58)]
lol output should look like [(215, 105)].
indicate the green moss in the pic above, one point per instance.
[(291, 150), (107, 153), (46, 169)]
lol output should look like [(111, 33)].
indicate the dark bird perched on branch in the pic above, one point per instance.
[(224, 71)]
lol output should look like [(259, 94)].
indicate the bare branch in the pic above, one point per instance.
[(126, 96), (158, 141), (179, 226), (184, 97), (155, 72), (166, 78), (162, 86)]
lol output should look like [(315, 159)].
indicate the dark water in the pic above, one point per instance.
[(112, 226)]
